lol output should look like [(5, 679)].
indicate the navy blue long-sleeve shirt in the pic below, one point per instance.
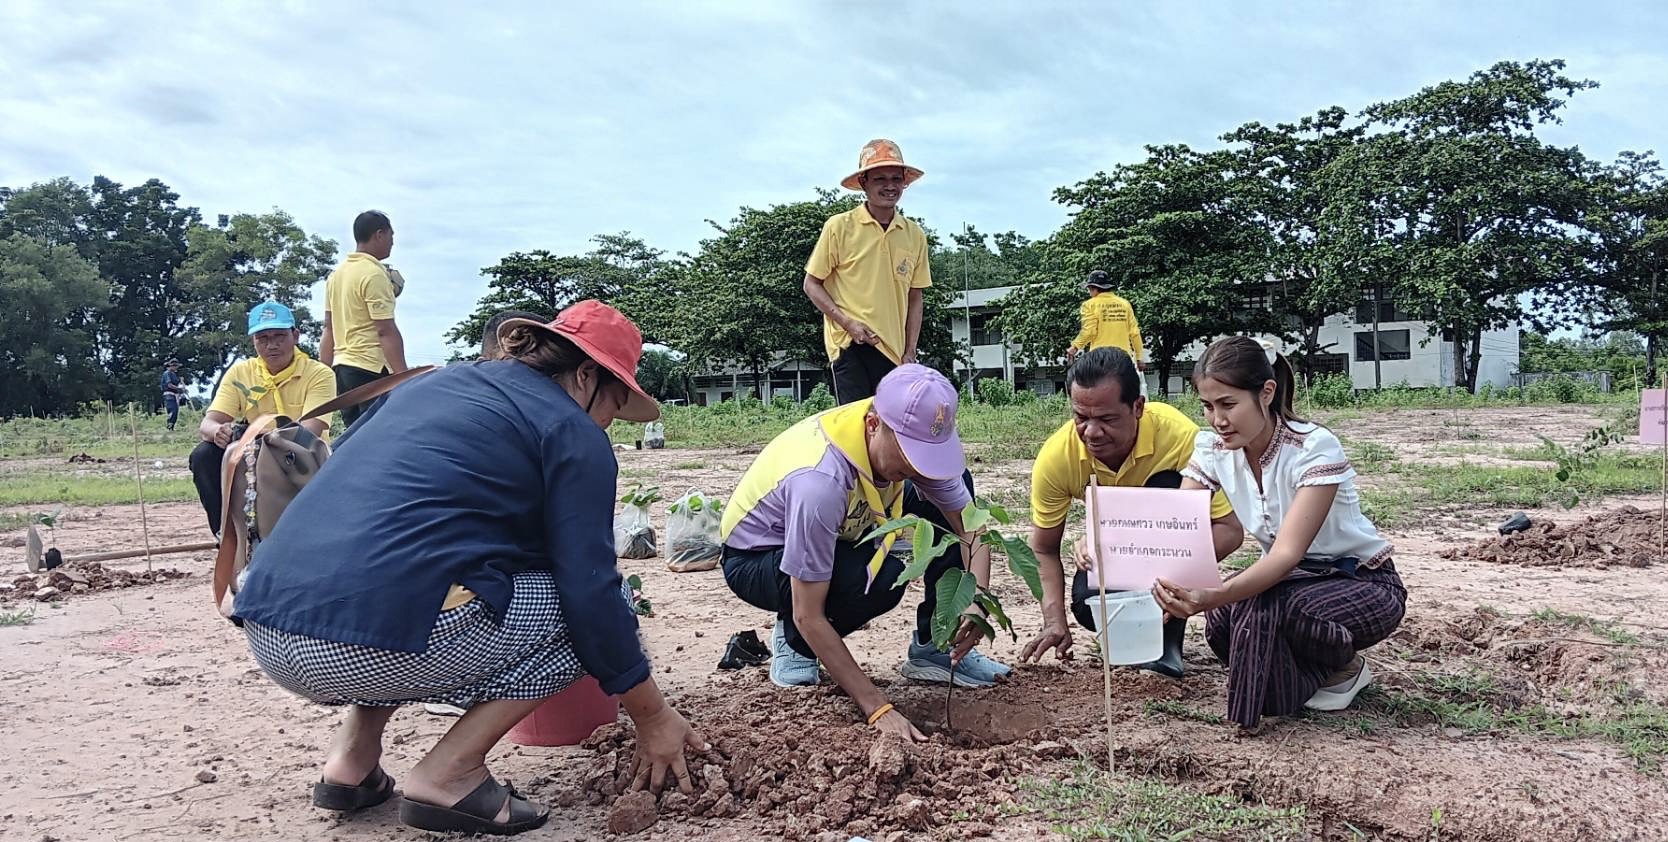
[(467, 475)]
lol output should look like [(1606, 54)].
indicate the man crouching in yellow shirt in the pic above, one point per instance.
[(1124, 440), (279, 380)]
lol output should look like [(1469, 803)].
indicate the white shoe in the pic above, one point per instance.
[(444, 710), (1339, 696)]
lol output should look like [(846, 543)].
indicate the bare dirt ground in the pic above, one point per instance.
[(137, 713)]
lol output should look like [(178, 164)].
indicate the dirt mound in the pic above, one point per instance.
[(80, 578), (806, 764), (1624, 537)]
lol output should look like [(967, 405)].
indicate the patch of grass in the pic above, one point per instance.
[(1421, 486), (1603, 628), (1180, 711), (1092, 805), (1389, 508), (19, 617), (15, 520), (1242, 558), (33, 487), (1370, 456), (689, 466)]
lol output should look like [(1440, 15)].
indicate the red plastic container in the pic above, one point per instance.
[(568, 717)]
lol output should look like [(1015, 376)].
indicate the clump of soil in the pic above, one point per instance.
[(808, 765), (83, 577), (1624, 537)]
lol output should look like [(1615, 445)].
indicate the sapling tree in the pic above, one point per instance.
[(958, 590), (1574, 460)]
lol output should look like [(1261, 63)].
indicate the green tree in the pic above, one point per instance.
[(1175, 238), (229, 269), (49, 293), (1629, 291), (663, 375), (1475, 214), (620, 271), (1282, 173)]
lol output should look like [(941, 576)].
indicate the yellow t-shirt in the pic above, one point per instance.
[(358, 292), (1164, 442), (1108, 321), (249, 391), (869, 271)]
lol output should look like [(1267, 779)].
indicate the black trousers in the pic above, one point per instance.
[(756, 576), (1081, 590), (352, 377), (172, 404), (205, 474), (857, 372)]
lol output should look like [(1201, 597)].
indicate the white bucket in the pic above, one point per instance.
[(1135, 633)]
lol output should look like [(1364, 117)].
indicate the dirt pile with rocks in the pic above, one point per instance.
[(80, 578), (1624, 537)]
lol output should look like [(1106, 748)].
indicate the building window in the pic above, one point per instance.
[(1334, 363), (1388, 310), (1392, 345), (985, 330), (1257, 299)]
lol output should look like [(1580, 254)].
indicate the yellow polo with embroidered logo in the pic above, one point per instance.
[(358, 294), (1163, 442), (249, 391), (868, 271)]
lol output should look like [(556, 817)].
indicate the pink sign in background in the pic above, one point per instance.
[(1147, 533), (1653, 420)]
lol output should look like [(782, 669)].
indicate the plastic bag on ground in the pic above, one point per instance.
[(692, 533), (633, 530)]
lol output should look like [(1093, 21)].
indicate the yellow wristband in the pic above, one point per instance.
[(879, 712)]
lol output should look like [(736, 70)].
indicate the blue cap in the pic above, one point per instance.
[(270, 315)]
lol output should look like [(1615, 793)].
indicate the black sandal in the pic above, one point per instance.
[(476, 812), (375, 789)]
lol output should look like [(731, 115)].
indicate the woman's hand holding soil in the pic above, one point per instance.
[(662, 735)]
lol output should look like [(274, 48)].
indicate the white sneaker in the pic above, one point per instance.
[(444, 710), (1339, 696)]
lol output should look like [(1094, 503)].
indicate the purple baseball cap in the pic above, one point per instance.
[(919, 405)]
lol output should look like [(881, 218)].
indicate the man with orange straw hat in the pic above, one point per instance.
[(866, 276)]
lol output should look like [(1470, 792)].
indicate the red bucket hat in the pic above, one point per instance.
[(608, 338)]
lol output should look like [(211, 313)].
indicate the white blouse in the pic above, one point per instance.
[(1297, 456)]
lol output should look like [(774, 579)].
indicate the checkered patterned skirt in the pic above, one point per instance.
[(472, 656)]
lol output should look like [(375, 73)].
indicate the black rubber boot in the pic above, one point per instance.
[(1171, 663)]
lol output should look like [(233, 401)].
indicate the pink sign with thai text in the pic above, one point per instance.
[(1653, 416), (1147, 533)]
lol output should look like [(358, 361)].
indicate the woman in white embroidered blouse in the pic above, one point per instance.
[(1292, 625)]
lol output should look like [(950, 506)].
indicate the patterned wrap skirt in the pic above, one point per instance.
[(472, 656), (1282, 643)]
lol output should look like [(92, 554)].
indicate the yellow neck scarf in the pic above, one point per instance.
[(845, 429), (270, 382)]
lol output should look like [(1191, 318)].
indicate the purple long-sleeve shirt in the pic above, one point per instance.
[(806, 513)]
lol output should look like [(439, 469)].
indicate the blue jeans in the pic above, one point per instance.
[(171, 402)]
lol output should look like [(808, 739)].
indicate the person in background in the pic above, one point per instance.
[(1108, 321), (793, 531), (491, 585), (361, 342), (279, 380), (173, 389), (1121, 439), (866, 275), (1292, 626)]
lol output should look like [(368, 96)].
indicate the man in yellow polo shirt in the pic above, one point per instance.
[(866, 276), (279, 380), (1125, 441), (361, 343)]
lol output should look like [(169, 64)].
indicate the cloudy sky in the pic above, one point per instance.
[(536, 125)]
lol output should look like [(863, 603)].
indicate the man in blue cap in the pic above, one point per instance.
[(279, 380)]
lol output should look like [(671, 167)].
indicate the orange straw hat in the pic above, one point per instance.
[(877, 153)]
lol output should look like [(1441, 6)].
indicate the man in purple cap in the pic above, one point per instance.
[(793, 526)]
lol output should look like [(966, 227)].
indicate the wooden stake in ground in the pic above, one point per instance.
[(1105, 631), (144, 525), (1662, 508)]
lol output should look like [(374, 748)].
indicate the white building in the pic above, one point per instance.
[(1408, 352)]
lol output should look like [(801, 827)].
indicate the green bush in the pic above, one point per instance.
[(1332, 391), (997, 392), (1561, 389), (819, 400)]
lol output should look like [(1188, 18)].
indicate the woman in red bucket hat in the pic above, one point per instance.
[(460, 551)]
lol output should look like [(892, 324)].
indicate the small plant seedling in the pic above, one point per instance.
[(957, 591), (639, 602), (641, 497), (1571, 462)]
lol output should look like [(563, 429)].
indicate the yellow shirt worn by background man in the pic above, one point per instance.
[(249, 391), (868, 271), (1163, 442), (1108, 321), (358, 293)]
